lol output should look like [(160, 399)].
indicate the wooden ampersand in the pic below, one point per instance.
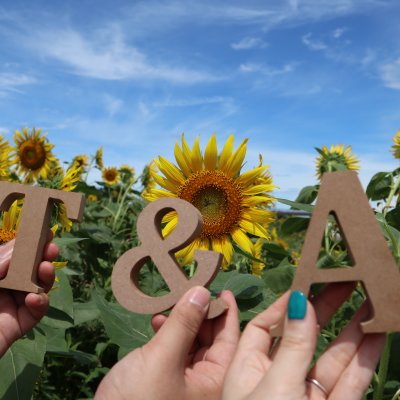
[(125, 275), (341, 194), (33, 229)]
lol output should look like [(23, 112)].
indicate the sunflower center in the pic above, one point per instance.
[(6, 235), (32, 154), (218, 198), (110, 175)]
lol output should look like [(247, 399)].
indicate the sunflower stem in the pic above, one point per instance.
[(383, 368), (121, 202), (393, 190)]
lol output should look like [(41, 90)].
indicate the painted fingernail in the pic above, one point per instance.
[(200, 296), (297, 305)]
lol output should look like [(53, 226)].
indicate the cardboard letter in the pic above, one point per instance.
[(341, 194), (125, 275), (33, 229)]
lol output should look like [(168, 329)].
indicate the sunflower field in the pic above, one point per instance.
[(86, 331)]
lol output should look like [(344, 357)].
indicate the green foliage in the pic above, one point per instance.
[(86, 332)]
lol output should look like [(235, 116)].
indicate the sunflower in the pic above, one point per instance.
[(126, 173), (10, 221), (5, 161), (82, 160), (396, 145), (92, 198), (228, 200), (337, 158), (257, 266), (110, 176), (99, 158), (33, 155)]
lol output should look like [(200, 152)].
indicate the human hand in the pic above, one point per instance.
[(344, 370), (21, 311), (185, 360)]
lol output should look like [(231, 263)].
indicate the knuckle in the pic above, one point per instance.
[(296, 342)]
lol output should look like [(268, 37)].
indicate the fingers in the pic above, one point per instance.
[(219, 337), (179, 331), (158, 321), (256, 337), (46, 275), (5, 257), (36, 306), (356, 377), (50, 251), (297, 345)]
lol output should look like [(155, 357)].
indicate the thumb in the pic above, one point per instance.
[(298, 342), (179, 331)]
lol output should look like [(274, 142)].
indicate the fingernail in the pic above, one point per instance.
[(297, 305), (200, 297)]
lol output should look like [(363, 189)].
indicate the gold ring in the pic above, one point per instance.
[(314, 382)]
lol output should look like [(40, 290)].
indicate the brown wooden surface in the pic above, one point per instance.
[(33, 229), (125, 274)]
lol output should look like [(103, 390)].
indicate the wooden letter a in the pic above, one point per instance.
[(341, 194)]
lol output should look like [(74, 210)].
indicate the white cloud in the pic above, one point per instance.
[(338, 32), (313, 44), (11, 81), (107, 56), (112, 104), (4, 131), (248, 43), (390, 74), (267, 70), (193, 101)]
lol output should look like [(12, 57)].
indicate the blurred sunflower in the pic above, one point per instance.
[(66, 181), (126, 173), (32, 154), (396, 145), (9, 222), (228, 200), (257, 267), (82, 160), (337, 158), (147, 179), (99, 158), (110, 176), (5, 161)]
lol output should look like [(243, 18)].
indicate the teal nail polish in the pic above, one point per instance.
[(297, 305)]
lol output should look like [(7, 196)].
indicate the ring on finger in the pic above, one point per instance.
[(318, 384)]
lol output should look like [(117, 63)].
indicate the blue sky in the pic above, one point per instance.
[(290, 75)]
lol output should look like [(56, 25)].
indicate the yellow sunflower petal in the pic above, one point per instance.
[(155, 194), (224, 246), (182, 160), (226, 153), (165, 183), (197, 159), (211, 153), (258, 215), (169, 227), (170, 171), (257, 189), (235, 162), (243, 240), (254, 228), (248, 177)]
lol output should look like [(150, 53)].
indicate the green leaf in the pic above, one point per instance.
[(126, 329), (244, 286), (275, 251), (294, 225), (307, 195), (298, 206), (61, 310), (20, 366), (279, 279), (379, 186), (246, 254), (65, 241), (85, 312)]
